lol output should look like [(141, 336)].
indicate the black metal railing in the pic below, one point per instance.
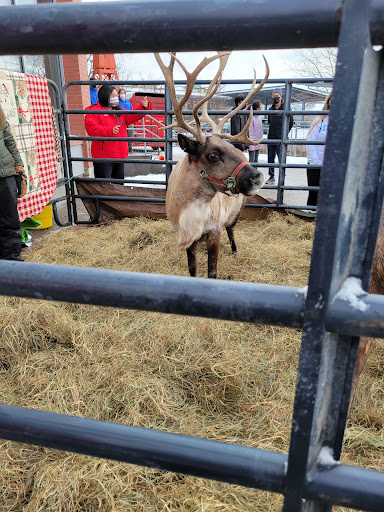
[(281, 166), (350, 203)]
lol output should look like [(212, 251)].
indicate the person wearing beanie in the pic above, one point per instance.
[(275, 128), (13, 184)]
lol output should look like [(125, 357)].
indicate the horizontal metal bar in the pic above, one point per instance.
[(366, 318), (225, 300), (113, 180), (241, 81), (225, 462), (61, 28), (133, 139), (337, 484), (174, 162), (58, 200), (278, 113), (244, 302), (125, 160), (301, 142), (120, 198), (117, 181), (347, 486)]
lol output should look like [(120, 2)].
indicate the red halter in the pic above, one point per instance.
[(228, 182)]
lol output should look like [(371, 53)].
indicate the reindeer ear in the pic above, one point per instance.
[(188, 145)]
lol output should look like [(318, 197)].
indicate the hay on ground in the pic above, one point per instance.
[(215, 379)]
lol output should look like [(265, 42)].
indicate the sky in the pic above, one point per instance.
[(240, 64)]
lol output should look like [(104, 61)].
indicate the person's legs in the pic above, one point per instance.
[(252, 156), (118, 171), (256, 155), (271, 159), (313, 177), (278, 151), (10, 227), (103, 169)]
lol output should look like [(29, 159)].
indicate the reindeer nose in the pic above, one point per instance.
[(257, 179)]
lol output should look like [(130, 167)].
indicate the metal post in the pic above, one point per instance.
[(344, 214), (283, 147), (63, 152), (167, 143), (72, 191)]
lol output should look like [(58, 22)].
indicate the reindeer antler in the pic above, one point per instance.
[(242, 136), (211, 91), (191, 79)]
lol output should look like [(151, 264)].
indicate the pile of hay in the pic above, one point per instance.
[(219, 380)]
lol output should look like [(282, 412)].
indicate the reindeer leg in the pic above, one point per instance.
[(212, 241), (230, 231), (231, 237), (191, 255), (362, 356)]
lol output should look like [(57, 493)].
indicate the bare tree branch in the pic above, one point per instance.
[(314, 62)]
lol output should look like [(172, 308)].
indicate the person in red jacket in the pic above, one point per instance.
[(110, 125)]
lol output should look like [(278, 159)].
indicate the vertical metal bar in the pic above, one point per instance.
[(22, 66), (64, 108), (284, 136), (63, 152), (167, 143), (326, 362), (144, 135)]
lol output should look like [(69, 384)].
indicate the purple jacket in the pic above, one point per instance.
[(255, 131)]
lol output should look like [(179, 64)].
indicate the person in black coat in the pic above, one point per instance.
[(237, 124), (13, 184), (275, 129)]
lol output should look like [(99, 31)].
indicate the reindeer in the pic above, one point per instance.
[(206, 190)]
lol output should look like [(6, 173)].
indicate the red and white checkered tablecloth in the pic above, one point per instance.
[(41, 109)]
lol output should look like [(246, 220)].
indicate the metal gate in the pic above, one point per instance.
[(350, 200), (168, 141)]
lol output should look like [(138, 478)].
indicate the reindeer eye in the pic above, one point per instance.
[(213, 157)]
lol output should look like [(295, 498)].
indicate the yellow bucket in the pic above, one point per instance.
[(45, 217)]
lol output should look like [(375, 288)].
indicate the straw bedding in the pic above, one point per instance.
[(215, 379)]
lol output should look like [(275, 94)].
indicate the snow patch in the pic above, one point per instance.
[(326, 458), (146, 177), (351, 291), (303, 291)]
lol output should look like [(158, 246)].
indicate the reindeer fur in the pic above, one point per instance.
[(196, 211)]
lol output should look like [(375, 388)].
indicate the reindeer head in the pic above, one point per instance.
[(223, 167)]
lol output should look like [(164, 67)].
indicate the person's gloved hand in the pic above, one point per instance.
[(22, 181)]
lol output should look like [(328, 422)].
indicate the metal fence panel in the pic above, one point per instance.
[(350, 202)]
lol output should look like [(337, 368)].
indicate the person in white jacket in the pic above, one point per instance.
[(255, 132), (315, 154)]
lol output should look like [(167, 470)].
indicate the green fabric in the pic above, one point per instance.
[(24, 236), (9, 155), (31, 223)]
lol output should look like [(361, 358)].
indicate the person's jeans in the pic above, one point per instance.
[(254, 155), (273, 149)]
